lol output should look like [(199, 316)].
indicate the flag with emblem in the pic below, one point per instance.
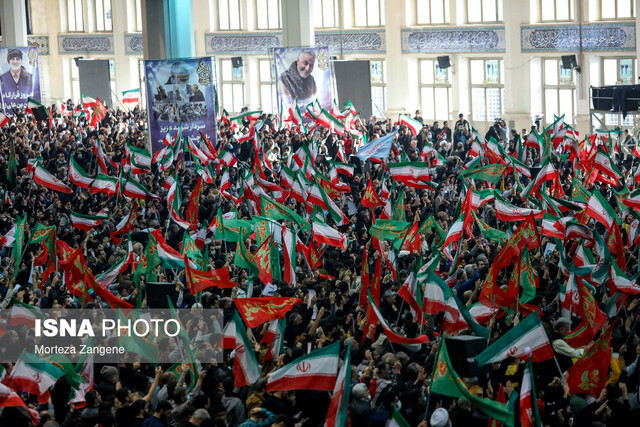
[(16, 251), (317, 370), (338, 414), (527, 338), (370, 198), (589, 374), (414, 125), (34, 376), (77, 174), (85, 222), (45, 178), (256, 311), (529, 415), (246, 369), (447, 382), (198, 281), (600, 210)]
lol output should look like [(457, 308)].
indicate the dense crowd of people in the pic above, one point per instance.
[(385, 377)]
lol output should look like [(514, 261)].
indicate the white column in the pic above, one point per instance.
[(297, 23), (516, 66), (122, 63), (583, 104), (401, 97), (13, 18)]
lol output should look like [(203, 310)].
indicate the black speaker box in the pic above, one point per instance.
[(462, 350), (236, 61), (569, 62), (443, 62), (157, 293)]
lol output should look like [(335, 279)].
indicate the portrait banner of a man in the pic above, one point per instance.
[(19, 77), (302, 73), (180, 92)]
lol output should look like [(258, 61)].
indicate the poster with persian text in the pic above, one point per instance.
[(19, 78), (180, 92)]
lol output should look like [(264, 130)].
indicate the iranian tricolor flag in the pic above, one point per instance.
[(289, 243), (633, 200), (327, 120), (251, 115), (32, 104), (246, 369), (104, 184), (43, 177), (439, 297), (77, 175), (85, 222), (322, 233), (622, 283), (134, 189), (3, 119), (411, 343), (131, 96), (455, 232), (396, 420), (86, 371), (34, 376), (600, 210), (547, 173), (316, 371), (413, 125), (109, 276), (338, 414), (169, 257), (296, 116), (9, 398), (274, 337), (88, 101), (409, 172), (505, 211), (527, 339), (8, 239), (604, 164), (529, 415), (23, 314)]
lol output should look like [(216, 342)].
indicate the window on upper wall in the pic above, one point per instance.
[(618, 71), (325, 14), (232, 86), (75, 15), (268, 14), (435, 91), (368, 13), (102, 10), (138, 6), (229, 15), (378, 86), (267, 86), (487, 89), (613, 9), (559, 91), (484, 10), (432, 12), (556, 10)]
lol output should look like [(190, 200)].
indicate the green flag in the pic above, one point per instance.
[(16, 251), (490, 173), (447, 382)]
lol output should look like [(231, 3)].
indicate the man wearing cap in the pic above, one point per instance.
[(17, 79), (440, 418)]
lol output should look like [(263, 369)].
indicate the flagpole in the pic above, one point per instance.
[(558, 366), (433, 373)]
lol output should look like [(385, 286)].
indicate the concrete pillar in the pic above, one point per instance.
[(516, 67), (399, 98), (168, 29), (122, 64), (583, 80), (297, 23), (13, 18)]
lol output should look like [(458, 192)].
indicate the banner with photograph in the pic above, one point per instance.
[(303, 73), (180, 91), (19, 78)]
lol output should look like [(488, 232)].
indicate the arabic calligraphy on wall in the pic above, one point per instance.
[(457, 39), (566, 38), (70, 44)]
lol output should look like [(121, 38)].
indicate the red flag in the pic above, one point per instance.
[(589, 374), (198, 280), (616, 246), (99, 112), (194, 201), (256, 311), (499, 398), (364, 278), (370, 198), (592, 318)]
